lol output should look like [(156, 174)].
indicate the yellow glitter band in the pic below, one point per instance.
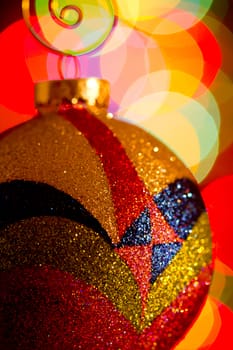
[(196, 253), (74, 248)]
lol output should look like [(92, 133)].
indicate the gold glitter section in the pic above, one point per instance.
[(196, 252), (155, 164), (74, 248), (50, 150)]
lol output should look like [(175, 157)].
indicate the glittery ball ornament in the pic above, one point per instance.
[(105, 241)]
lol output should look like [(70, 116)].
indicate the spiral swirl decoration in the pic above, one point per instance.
[(62, 18), (71, 29)]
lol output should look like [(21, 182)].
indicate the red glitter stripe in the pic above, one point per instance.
[(170, 326), (130, 197), (45, 308)]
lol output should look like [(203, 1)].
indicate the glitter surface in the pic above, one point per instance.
[(24, 199), (181, 205), (155, 164), (139, 233), (183, 268), (129, 193), (162, 255), (49, 149), (60, 307), (71, 247), (103, 230), (168, 327)]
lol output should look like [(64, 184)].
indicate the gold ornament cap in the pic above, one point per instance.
[(92, 93)]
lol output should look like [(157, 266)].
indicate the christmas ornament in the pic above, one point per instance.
[(105, 241)]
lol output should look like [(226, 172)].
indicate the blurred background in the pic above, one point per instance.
[(170, 65)]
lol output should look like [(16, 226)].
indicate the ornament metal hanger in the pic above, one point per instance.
[(70, 30)]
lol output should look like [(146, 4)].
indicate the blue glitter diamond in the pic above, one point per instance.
[(162, 254), (139, 233), (181, 205)]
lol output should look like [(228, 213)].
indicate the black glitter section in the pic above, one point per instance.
[(162, 254), (139, 233), (21, 199), (181, 205)]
